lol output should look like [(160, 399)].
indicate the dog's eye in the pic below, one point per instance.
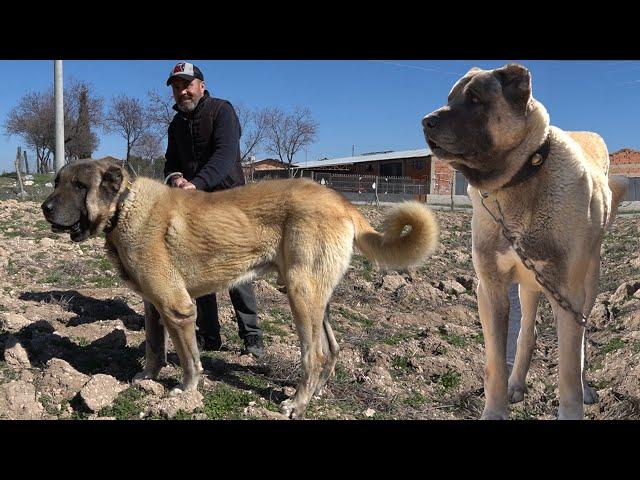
[(474, 98), (79, 186)]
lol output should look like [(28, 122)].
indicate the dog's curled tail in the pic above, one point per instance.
[(619, 186), (392, 248)]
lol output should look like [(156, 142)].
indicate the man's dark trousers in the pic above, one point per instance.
[(244, 304)]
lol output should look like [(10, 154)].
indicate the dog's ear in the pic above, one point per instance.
[(516, 84), (111, 180)]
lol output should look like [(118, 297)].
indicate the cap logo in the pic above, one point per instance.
[(183, 67)]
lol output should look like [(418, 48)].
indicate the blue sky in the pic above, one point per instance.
[(371, 105)]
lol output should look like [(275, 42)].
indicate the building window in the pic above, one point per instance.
[(418, 164)]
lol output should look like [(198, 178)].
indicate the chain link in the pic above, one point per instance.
[(516, 244)]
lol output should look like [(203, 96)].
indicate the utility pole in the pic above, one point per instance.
[(57, 82)]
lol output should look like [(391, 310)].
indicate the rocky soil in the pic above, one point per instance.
[(72, 338)]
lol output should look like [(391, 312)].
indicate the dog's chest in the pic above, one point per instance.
[(509, 262), (123, 270)]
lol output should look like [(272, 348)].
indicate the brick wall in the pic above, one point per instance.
[(442, 175), (625, 162)]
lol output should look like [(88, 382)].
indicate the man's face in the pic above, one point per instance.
[(187, 93)]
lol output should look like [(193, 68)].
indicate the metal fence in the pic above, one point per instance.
[(633, 194), (363, 188)]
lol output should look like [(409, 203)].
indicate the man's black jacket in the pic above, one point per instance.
[(204, 145)]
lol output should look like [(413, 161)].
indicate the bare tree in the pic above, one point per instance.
[(33, 119), (149, 149), (160, 112), (253, 127), (287, 133), (127, 118)]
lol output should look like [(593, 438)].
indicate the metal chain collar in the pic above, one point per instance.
[(513, 239)]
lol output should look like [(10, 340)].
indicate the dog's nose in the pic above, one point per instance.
[(47, 207), (430, 121)]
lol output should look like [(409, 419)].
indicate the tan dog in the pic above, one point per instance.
[(551, 190), (173, 245)]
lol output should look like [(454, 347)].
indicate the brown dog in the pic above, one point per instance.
[(551, 189), (172, 246)]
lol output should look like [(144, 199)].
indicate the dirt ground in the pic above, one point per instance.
[(71, 338)]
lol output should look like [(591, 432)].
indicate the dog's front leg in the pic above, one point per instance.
[(155, 344), (179, 316), (526, 343), (493, 306), (571, 361)]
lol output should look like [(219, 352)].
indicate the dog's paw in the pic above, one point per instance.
[(144, 375), (487, 415), (176, 392), (516, 393), (290, 409), (590, 395)]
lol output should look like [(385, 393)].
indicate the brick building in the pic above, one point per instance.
[(625, 162), (262, 167), (414, 164)]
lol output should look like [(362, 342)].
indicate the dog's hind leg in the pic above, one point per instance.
[(308, 313), (526, 343), (591, 291), (330, 349), (155, 344)]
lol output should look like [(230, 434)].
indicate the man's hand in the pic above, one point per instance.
[(181, 182)]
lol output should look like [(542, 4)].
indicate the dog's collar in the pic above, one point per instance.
[(533, 164), (113, 221)]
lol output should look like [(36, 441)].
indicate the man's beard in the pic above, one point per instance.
[(187, 106)]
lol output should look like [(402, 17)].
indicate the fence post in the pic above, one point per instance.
[(18, 159), (376, 181)]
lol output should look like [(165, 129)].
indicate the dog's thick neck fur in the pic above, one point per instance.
[(537, 131), (121, 202)]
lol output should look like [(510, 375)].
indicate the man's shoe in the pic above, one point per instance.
[(209, 344), (253, 345)]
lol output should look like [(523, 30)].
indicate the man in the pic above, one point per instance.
[(203, 153)]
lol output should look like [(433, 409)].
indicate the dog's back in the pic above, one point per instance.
[(597, 154), (594, 148)]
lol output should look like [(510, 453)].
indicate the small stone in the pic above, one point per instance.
[(187, 402), (101, 391), (451, 287), (627, 289), (393, 282), (14, 354), (152, 387), (18, 401), (13, 321), (289, 391), (369, 412)]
